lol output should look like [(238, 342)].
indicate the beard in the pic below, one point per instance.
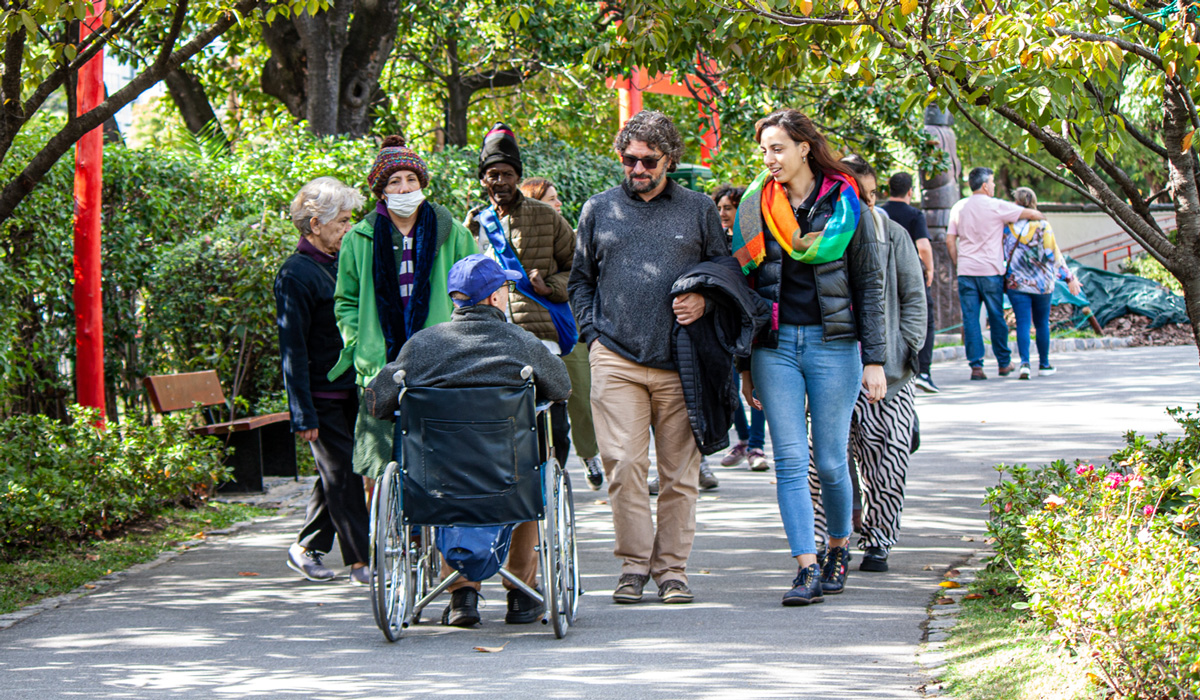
[(502, 195), (646, 184)]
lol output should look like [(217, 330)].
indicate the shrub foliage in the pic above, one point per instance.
[(1108, 557)]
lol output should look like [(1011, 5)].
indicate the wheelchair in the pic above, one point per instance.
[(479, 456)]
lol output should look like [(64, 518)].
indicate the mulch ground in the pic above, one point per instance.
[(1133, 326)]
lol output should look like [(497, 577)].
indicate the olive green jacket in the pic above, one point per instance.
[(354, 298)]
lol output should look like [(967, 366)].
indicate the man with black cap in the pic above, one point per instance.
[(529, 237), (478, 348)]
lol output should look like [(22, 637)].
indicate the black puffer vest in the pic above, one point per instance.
[(849, 290)]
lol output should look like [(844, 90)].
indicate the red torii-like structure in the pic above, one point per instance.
[(702, 89)]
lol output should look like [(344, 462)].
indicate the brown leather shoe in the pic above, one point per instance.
[(1005, 371), (977, 374)]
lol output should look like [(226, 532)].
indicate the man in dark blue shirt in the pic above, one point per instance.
[(899, 207)]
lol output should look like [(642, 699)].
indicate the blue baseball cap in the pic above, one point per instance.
[(477, 276)]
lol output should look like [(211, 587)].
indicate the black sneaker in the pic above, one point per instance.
[(874, 559), (806, 587), (595, 472), (833, 573), (522, 609), (629, 588), (924, 382), (463, 610), (708, 481), (1046, 371)]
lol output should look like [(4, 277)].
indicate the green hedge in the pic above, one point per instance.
[(73, 480), (190, 247), (1108, 556)]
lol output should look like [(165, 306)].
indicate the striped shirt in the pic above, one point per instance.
[(404, 264)]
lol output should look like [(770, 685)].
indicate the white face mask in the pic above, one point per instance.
[(405, 204)]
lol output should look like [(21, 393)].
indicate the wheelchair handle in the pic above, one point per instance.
[(398, 377), (526, 372)]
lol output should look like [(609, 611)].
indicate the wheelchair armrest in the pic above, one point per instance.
[(542, 406)]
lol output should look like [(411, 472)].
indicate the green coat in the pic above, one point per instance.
[(354, 297)]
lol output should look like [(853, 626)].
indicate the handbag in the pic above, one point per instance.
[(476, 552)]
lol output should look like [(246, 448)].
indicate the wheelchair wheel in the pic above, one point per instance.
[(556, 549), (570, 551), (393, 584)]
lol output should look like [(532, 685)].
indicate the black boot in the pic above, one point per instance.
[(833, 574), (806, 588)]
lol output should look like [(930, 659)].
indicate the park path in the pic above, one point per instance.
[(195, 628)]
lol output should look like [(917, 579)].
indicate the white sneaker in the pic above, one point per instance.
[(1024, 372), (307, 563)]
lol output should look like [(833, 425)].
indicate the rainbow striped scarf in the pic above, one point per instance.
[(769, 197)]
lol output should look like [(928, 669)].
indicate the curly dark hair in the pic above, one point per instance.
[(727, 190), (657, 131)]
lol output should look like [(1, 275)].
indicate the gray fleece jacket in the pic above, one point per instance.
[(903, 301), (479, 347), (628, 254)]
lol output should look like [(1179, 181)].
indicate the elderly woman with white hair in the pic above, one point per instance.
[(323, 409)]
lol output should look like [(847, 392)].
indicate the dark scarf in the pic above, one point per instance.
[(397, 320)]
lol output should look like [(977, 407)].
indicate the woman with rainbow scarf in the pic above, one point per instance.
[(801, 239)]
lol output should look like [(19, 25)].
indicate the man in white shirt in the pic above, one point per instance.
[(975, 241)]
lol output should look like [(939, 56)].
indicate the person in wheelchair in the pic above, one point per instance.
[(478, 348)]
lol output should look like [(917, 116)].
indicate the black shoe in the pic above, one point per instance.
[(806, 587), (463, 610), (833, 573), (925, 383), (874, 559), (595, 472), (708, 482), (522, 609), (652, 486)]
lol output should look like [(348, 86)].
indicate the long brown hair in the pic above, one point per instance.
[(801, 130), (535, 187)]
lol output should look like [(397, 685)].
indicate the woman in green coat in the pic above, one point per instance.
[(391, 282)]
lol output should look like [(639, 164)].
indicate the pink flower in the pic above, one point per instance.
[(1054, 501), (1135, 482), (1148, 511), (1085, 469), (1114, 480)]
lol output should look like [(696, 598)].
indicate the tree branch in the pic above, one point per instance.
[(24, 183), (1129, 10), (1129, 46)]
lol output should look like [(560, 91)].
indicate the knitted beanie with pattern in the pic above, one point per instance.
[(393, 156)]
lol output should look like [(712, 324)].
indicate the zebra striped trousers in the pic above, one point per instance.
[(880, 443)]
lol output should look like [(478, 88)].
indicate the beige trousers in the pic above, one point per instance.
[(628, 400)]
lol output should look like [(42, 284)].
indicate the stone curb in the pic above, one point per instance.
[(959, 352), (279, 496), (931, 657)]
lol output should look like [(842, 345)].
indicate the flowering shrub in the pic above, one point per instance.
[(1109, 557), (69, 480)]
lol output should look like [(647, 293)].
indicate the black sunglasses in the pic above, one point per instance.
[(648, 162)]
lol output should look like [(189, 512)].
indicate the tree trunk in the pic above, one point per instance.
[(458, 105), (187, 92), (938, 194), (325, 68)]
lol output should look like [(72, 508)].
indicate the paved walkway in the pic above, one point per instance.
[(196, 628)]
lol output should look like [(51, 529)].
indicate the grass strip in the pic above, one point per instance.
[(998, 653), (64, 566)]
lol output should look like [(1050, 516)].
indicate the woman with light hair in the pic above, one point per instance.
[(1034, 262), (323, 409)]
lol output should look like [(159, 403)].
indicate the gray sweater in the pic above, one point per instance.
[(628, 254), (903, 301), (479, 347)]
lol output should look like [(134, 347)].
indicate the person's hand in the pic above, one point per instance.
[(1074, 285), (748, 391), (929, 278), (310, 435), (539, 285), (688, 308), (875, 382)]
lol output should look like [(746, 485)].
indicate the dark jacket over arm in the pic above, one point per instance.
[(479, 347), (309, 342)]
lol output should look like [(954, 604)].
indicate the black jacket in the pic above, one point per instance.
[(704, 350), (849, 290), (479, 347), (309, 341)]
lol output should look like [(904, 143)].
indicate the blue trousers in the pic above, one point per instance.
[(1035, 307), (988, 291)]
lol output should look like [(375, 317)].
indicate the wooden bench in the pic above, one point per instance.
[(261, 445)]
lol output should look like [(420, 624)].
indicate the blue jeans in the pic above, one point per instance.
[(807, 371), (754, 433), (988, 290), (1037, 306)]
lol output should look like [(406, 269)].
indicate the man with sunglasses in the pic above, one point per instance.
[(633, 242)]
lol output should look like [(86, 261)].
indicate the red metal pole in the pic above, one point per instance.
[(89, 158)]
